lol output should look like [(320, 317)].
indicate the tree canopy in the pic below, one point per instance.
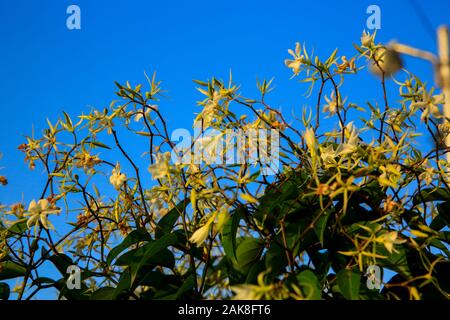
[(128, 203)]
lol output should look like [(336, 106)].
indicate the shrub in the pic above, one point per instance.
[(347, 203)]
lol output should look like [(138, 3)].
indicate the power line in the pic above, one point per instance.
[(426, 23)]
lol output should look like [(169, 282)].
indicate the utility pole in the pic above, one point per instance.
[(441, 64), (444, 74)]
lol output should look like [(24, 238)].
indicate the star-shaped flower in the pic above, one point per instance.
[(37, 213)]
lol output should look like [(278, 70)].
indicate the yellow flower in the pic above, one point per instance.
[(427, 175), (210, 146), (429, 105), (252, 291), (139, 115), (161, 167), (211, 110), (222, 219), (37, 212), (328, 155), (199, 236), (346, 64), (85, 160), (352, 140), (390, 176), (117, 179), (294, 65), (323, 189), (298, 60), (331, 106), (249, 198), (245, 292), (367, 39), (310, 139), (389, 205), (344, 188), (388, 239)]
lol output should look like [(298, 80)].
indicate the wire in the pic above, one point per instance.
[(423, 19)]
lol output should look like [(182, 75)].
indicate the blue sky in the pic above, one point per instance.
[(47, 68)]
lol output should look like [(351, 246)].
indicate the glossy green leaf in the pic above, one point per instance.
[(10, 270), (229, 234), (61, 262), (166, 223), (164, 258), (442, 220), (4, 291), (276, 259), (151, 249), (310, 285), (321, 225), (431, 194), (104, 293), (349, 282), (248, 252), (18, 227), (134, 237)]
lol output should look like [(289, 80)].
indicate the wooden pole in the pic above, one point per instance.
[(444, 74)]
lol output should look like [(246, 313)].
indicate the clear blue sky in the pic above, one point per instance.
[(46, 68)]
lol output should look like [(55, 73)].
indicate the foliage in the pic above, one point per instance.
[(364, 193)]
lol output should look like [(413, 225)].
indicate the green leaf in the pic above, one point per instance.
[(74, 294), (248, 252), (151, 249), (276, 259), (309, 285), (321, 262), (134, 237), (396, 261), (164, 258), (254, 271), (445, 236), (100, 144), (349, 282), (144, 133), (4, 291), (321, 225), (443, 218), (279, 199), (42, 281), (68, 124), (10, 270), (105, 293), (18, 227), (166, 223), (153, 278), (170, 292), (202, 83), (229, 235), (188, 285), (124, 283), (431, 194), (61, 262), (331, 58)]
